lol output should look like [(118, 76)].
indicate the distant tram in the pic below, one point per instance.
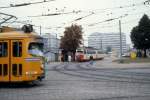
[(84, 53), (17, 62)]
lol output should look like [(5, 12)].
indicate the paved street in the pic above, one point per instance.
[(81, 81)]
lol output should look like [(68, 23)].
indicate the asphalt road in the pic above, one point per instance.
[(81, 81)]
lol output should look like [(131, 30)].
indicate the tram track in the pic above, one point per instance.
[(121, 73), (78, 81), (79, 71)]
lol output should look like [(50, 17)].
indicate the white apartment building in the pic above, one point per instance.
[(104, 41)]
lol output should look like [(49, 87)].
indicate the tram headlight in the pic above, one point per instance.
[(42, 66), (27, 73), (31, 72), (35, 72)]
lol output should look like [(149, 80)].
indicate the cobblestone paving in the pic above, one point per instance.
[(80, 81)]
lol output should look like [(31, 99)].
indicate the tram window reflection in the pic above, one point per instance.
[(36, 49)]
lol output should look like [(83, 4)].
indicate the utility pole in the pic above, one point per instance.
[(120, 39), (101, 44), (56, 48), (40, 29)]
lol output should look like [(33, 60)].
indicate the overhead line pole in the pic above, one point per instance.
[(120, 39), (40, 30)]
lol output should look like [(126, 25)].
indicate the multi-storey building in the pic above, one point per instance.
[(51, 46), (107, 41)]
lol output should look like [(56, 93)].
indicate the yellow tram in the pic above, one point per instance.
[(17, 63)]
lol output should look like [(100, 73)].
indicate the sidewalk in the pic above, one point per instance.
[(54, 63), (107, 62)]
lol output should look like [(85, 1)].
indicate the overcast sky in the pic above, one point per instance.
[(91, 12)]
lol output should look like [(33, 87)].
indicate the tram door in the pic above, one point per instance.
[(11, 60), (17, 60), (4, 61)]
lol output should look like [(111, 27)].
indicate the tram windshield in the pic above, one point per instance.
[(80, 51), (36, 49)]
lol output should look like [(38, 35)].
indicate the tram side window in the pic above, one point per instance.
[(17, 49), (3, 49)]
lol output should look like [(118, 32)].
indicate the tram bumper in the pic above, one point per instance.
[(42, 76), (30, 76)]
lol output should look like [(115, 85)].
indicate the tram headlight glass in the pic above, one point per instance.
[(42, 66), (27, 73)]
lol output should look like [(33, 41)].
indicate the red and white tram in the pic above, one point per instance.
[(84, 53)]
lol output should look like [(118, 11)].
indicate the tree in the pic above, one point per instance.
[(140, 35), (72, 39), (136, 40)]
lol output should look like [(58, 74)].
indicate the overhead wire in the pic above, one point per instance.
[(147, 2), (54, 14), (111, 19), (79, 11), (108, 20), (26, 4), (6, 18), (126, 22), (120, 7), (93, 11)]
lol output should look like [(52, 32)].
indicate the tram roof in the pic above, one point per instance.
[(18, 34)]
